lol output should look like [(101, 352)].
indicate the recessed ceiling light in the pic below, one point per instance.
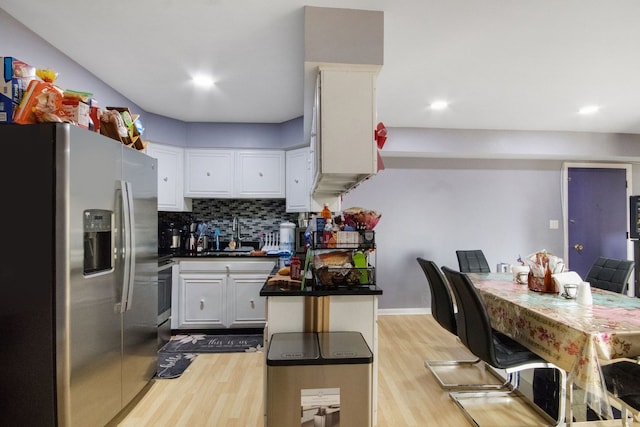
[(439, 105), (203, 81), (589, 109)]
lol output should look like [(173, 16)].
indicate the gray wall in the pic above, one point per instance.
[(441, 190), (431, 207)]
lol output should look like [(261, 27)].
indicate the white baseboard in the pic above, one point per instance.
[(401, 311)]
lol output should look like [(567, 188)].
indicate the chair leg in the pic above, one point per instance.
[(624, 416), (460, 396), (432, 364)]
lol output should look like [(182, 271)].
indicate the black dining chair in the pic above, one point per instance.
[(610, 274), (494, 348), (443, 311), (623, 387), (472, 261)]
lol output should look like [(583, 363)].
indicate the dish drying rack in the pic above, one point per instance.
[(271, 242)]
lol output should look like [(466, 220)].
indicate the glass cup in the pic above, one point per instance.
[(570, 291)]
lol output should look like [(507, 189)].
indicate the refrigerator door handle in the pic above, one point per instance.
[(128, 221)]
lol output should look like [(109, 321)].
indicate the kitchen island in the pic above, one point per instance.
[(325, 310)]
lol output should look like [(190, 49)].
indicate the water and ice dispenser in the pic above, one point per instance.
[(98, 241)]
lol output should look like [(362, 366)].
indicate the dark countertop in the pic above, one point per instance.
[(278, 291), (215, 254)]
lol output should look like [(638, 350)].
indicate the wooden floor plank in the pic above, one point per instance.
[(227, 389)]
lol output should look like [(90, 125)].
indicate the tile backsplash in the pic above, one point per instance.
[(254, 215)]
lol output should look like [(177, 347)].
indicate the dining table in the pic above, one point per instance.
[(577, 338)]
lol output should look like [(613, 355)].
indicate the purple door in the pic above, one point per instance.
[(597, 211)]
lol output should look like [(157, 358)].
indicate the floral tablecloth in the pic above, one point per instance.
[(575, 338)]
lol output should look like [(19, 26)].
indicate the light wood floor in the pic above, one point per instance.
[(227, 389)]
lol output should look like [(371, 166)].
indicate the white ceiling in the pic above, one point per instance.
[(503, 64)]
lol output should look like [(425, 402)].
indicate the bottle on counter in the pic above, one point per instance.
[(326, 212), (295, 268)]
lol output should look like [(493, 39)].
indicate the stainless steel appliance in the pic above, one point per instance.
[(301, 240), (165, 276), (79, 281)]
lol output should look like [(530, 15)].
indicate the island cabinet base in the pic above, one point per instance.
[(326, 313)]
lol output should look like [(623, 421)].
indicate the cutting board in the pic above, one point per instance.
[(284, 281)]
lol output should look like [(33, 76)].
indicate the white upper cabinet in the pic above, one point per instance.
[(298, 180), (209, 173), (218, 173), (345, 152), (170, 177), (260, 174)]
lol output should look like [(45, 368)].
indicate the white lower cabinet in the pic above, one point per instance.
[(247, 307), (201, 300), (219, 294)]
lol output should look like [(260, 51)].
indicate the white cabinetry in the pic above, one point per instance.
[(260, 174), (345, 153), (210, 294), (209, 173), (217, 173), (298, 180), (201, 300), (170, 177)]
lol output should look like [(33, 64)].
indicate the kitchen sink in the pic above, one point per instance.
[(240, 249)]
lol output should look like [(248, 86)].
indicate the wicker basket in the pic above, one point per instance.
[(110, 129), (544, 284)]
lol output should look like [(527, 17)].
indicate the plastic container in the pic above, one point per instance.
[(288, 237)]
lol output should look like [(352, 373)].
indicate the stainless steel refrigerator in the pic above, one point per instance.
[(78, 275)]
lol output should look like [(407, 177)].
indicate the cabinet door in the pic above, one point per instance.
[(260, 174), (170, 177), (202, 300), (298, 176), (347, 112), (247, 307), (209, 173)]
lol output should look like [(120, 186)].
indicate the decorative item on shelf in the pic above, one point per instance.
[(360, 219), (380, 136)]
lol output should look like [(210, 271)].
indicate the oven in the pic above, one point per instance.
[(165, 264)]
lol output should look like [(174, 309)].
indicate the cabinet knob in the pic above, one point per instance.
[(296, 181), (253, 304), (208, 173), (165, 179), (260, 174), (201, 304)]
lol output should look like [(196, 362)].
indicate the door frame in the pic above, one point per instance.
[(565, 204)]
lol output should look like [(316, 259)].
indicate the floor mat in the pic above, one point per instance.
[(172, 365), (177, 354), (195, 343)]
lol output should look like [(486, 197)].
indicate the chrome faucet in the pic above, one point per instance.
[(235, 229)]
